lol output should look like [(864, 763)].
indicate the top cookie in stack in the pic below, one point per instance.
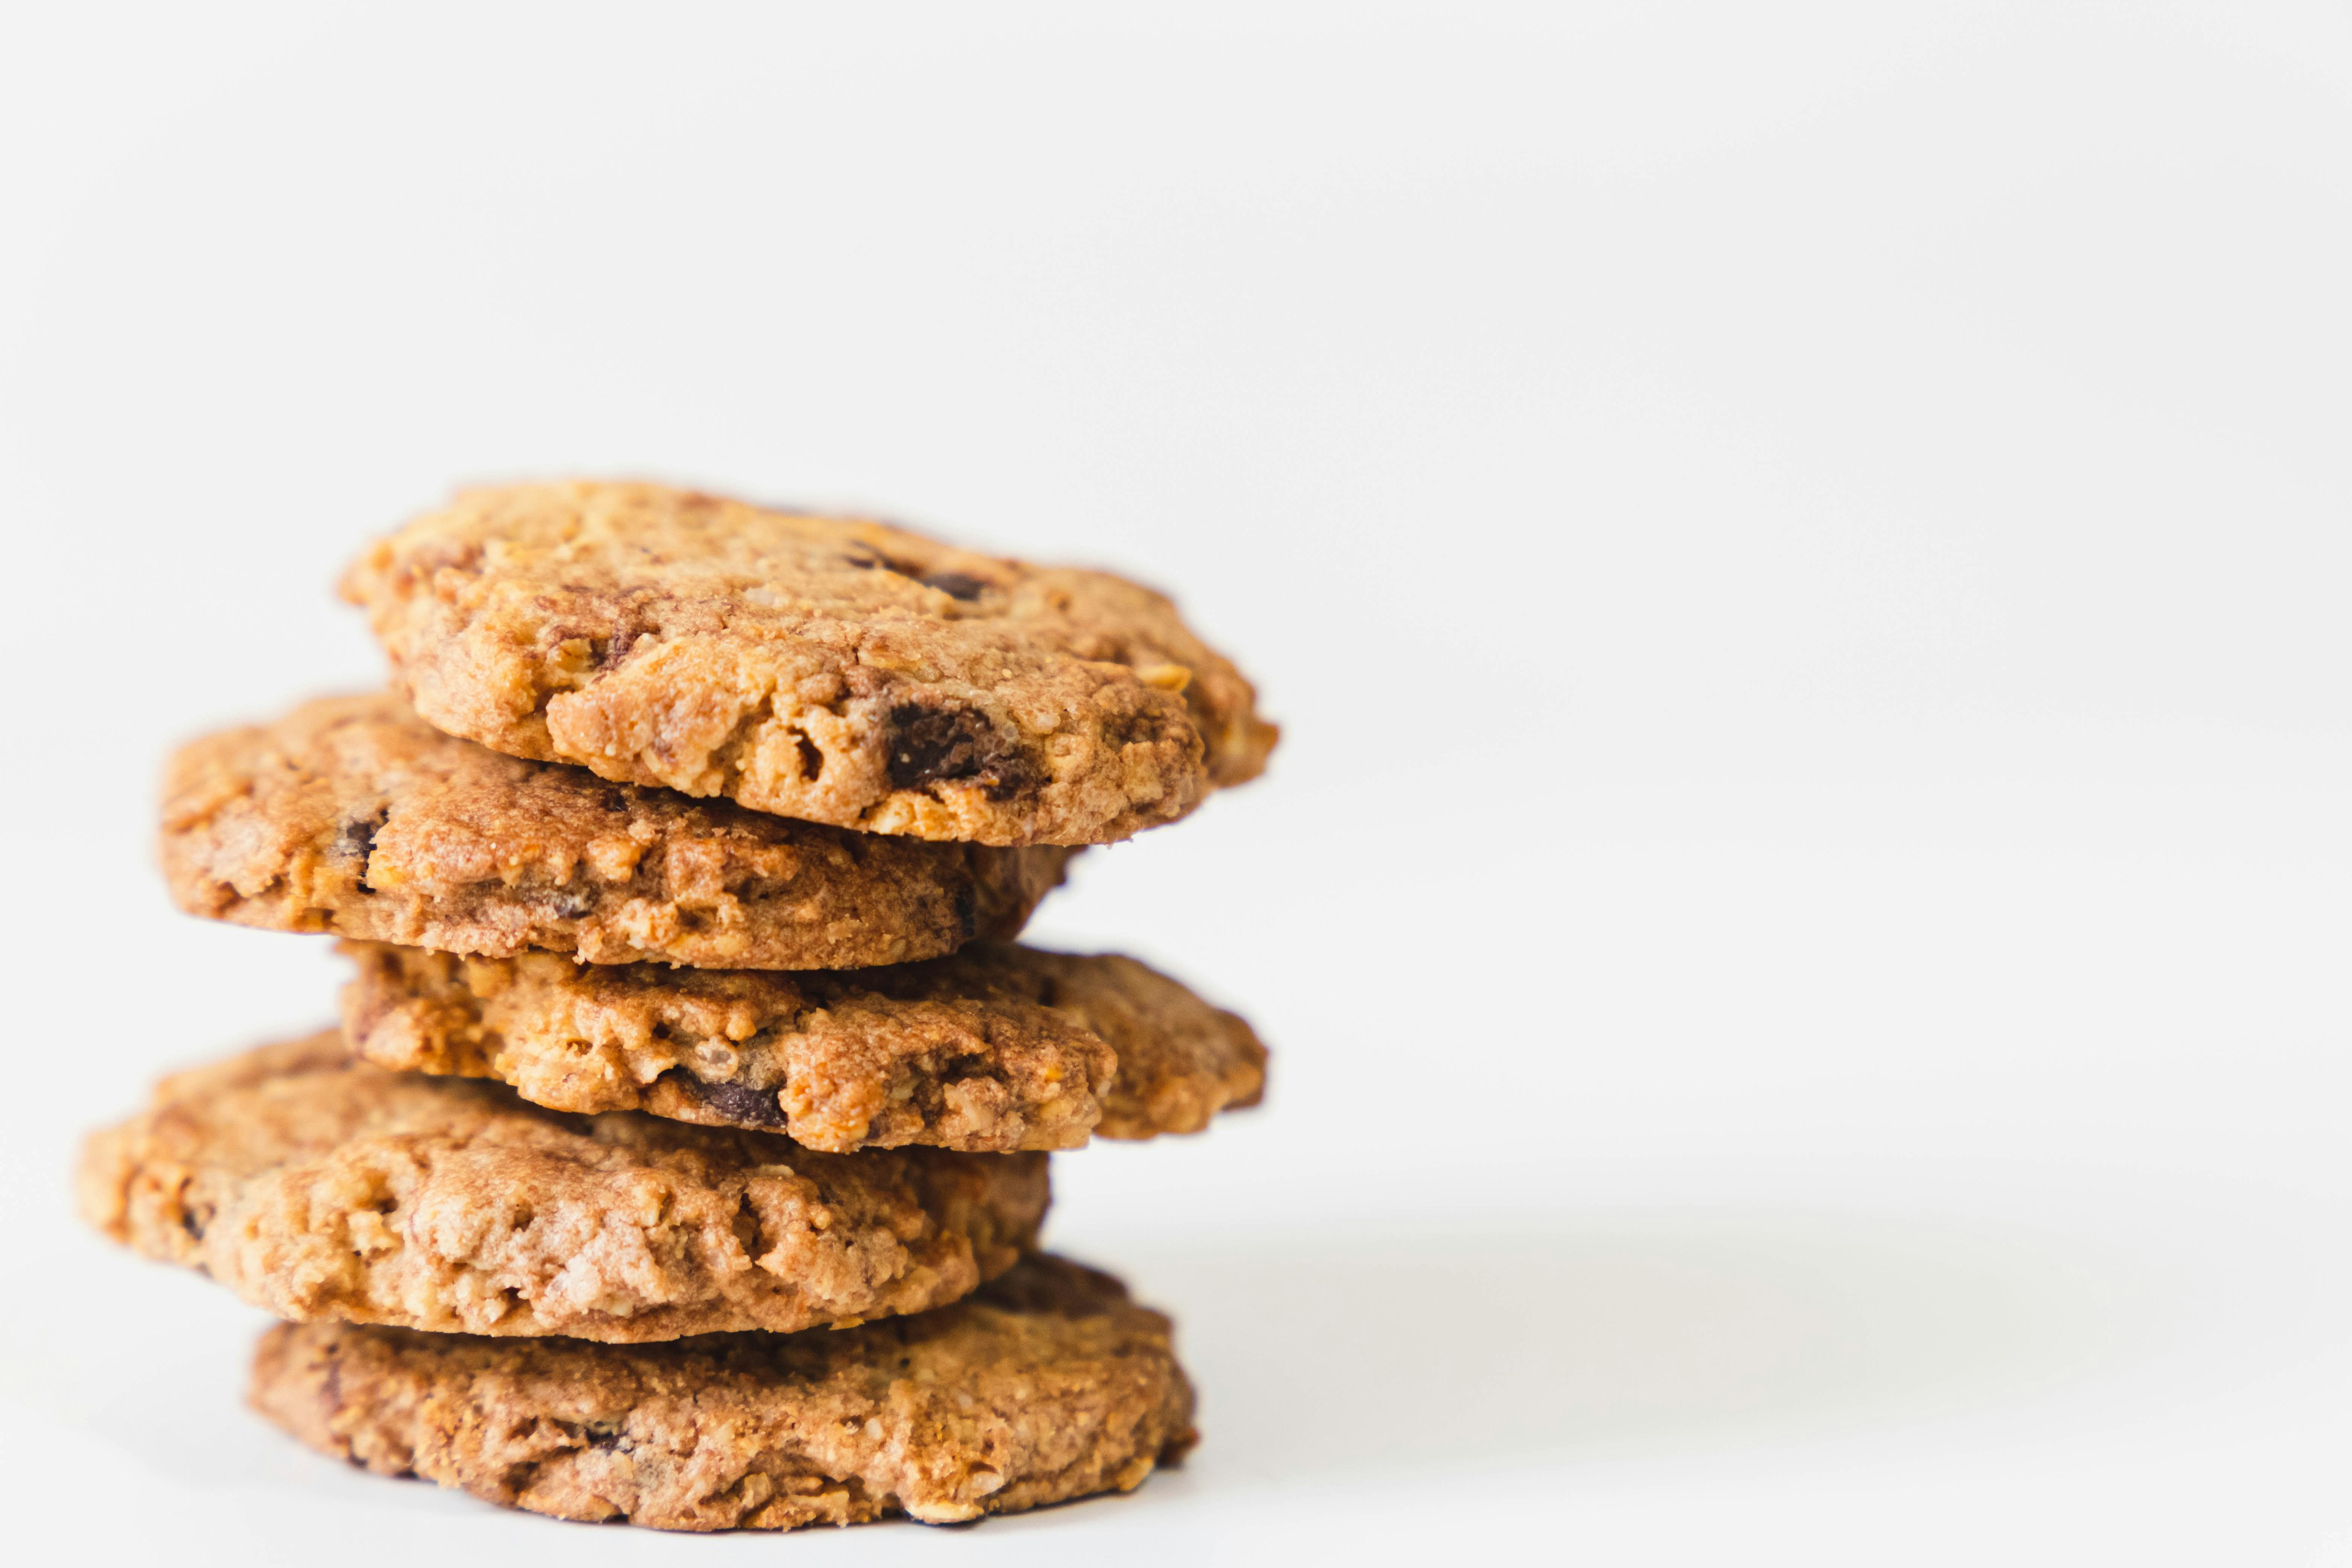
[(703, 830), (836, 672)]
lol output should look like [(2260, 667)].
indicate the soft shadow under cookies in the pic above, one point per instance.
[(1366, 1355)]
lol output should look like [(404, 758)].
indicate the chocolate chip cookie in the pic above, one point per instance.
[(996, 1049), (1046, 1385), (320, 1188), (837, 670), (351, 815)]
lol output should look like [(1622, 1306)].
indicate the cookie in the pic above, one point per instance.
[(996, 1049), (351, 815), (1048, 1385), (838, 670), (320, 1188)]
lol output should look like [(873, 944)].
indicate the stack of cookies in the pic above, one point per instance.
[(681, 1155)]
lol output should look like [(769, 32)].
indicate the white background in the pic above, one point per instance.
[(1802, 552)]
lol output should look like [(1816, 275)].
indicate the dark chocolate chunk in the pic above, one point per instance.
[(614, 651), (740, 1103), (954, 584), (947, 745), (355, 838)]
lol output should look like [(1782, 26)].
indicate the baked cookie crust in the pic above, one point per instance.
[(829, 668), (317, 1187), (351, 815), (996, 1049), (1048, 1385)]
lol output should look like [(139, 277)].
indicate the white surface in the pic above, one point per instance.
[(1803, 551)]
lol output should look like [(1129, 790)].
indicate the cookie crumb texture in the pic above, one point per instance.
[(993, 1049), (1049, 1385), (318, 1188), (351, 815), (837, 670)]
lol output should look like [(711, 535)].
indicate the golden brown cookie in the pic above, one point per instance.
[(351, 815), (822, 667), (996, 1049), (320, 1188), (1048, 1385)]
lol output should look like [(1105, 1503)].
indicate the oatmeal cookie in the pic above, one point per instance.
[(996, 1049), (351, 815), (320, 1188), (1046, 1385), (837, 670)]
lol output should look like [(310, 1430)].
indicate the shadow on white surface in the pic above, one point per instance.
[(1423, 1352)]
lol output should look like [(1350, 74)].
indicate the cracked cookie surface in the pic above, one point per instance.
[(351, 815), (838, 670), (997, 1048), (320, 1188), (1047, 1385)]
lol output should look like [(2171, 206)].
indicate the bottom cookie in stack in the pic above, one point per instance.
[(1047, 1385)]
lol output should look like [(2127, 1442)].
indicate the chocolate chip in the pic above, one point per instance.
[(954, 584), (738, 1103), (571, 906), (355, 837), (865, 558), (811, 757), (599, 1438), (614, 651), (947, 745), (928, 744), (193, 1223)]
